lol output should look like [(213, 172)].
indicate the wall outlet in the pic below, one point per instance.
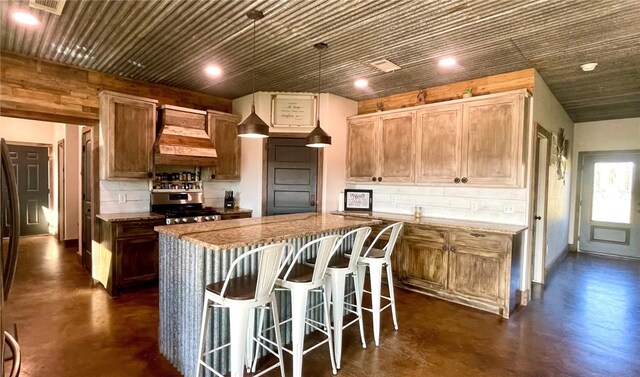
[(507, 209), (122, 198), (473, 206)]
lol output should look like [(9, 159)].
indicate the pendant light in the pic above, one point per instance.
[(252, 126), (318, 138)]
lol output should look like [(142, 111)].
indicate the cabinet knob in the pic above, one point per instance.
[(444, 247), (149, 174), (379, 179), (373, 179), (464, 180), (453, 249), (456, 180), (213, 176)]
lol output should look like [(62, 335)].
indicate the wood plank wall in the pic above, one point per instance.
[(485, 85), (41, 90)]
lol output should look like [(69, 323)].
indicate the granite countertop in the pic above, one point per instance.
[(446, 223), (131, 216), (230, 234)]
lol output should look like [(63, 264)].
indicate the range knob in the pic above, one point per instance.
[(167, 221), (184, 219), (207, 218)]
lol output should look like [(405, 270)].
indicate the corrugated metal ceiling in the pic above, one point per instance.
[(170, 42)]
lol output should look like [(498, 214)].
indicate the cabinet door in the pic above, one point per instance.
[(492, 146), (223, 129), (136, 260), (397, 147), (477, 265), (439, 134), (362, 150), (425, 258), (129, 128)]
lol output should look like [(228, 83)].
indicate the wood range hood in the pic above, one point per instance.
[(183, 138)]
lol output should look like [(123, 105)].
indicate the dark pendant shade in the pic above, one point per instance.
[(318, 138), (253, 127)]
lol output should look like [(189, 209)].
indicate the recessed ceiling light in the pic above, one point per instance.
[(213, 70), (25, 18), (447, 62), (361, 83), (588, 66)]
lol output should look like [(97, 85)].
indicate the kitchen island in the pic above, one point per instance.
[(194, 255)]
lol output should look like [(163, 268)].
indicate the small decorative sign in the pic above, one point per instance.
[(358, 200), (293, 110)]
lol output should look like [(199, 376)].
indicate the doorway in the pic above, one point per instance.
[(31, 164), (609, 203), (87, 197), (541, 188), (61, 191), (292, 176)]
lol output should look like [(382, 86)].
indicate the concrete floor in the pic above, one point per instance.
[(584, 322)]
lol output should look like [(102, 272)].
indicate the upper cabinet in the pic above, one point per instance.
[(476, 142), (381, 148), (127, 126), (223, 130)]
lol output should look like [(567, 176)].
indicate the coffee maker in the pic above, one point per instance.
[(228, 200)]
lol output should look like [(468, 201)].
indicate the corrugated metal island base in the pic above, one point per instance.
[(194, 255)]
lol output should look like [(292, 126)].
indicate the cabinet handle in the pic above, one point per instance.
[(373, 179), (379, 179), (456, 180), (477, 235), (453, 249), (464, 180)]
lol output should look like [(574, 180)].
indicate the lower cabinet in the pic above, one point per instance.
[(133, 250), (468, 267)]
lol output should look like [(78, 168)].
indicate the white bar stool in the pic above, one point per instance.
[(339, 268), (376, 259), (300, 279), (241, 295)]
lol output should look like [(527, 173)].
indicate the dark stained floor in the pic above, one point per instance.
[(584, 322)]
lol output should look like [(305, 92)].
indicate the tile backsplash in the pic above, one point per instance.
[(506, 206), (214, 192)]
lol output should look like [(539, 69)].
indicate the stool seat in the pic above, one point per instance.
[(240, 288), (300, 273), (374, 253), (336, 261)]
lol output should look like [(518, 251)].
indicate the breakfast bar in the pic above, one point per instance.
[(194, 255)]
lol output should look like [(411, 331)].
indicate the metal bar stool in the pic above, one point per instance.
[(339, 268), (376, 259), (241, 295), (300, 279)]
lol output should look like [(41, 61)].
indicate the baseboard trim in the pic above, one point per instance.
[(71, 243), (523, 297), (556, 262), (573, 247), (612, 256)]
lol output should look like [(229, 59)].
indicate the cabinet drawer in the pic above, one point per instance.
[(138, 228), (425, 233), (481, 241)]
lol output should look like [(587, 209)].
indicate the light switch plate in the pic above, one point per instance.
[(508, 209), (473, 206)]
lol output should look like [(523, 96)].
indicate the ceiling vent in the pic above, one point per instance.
[(385, 66), (51, 6)]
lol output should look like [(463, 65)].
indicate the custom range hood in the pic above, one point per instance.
[(183, 138)]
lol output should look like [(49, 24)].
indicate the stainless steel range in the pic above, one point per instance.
[(182, 207)]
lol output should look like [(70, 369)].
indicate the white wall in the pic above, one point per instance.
[(548, 112), (606, 135), (334, 111)]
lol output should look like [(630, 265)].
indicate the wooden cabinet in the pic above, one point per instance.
[(133, 250), (493, 142), (473, 268), (127, 126), (439, 139), (223, 130), (425, 257), (474, 142), (381, 148)]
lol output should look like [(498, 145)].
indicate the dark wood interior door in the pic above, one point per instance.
[(292, 177), (31, 165), (86, 198)]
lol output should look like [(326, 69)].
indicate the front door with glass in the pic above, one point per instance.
[(610, 204)]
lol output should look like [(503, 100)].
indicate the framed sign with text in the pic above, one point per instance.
[(358, 200), (293, 110)]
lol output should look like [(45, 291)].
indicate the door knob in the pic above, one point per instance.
[(537, 217)]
